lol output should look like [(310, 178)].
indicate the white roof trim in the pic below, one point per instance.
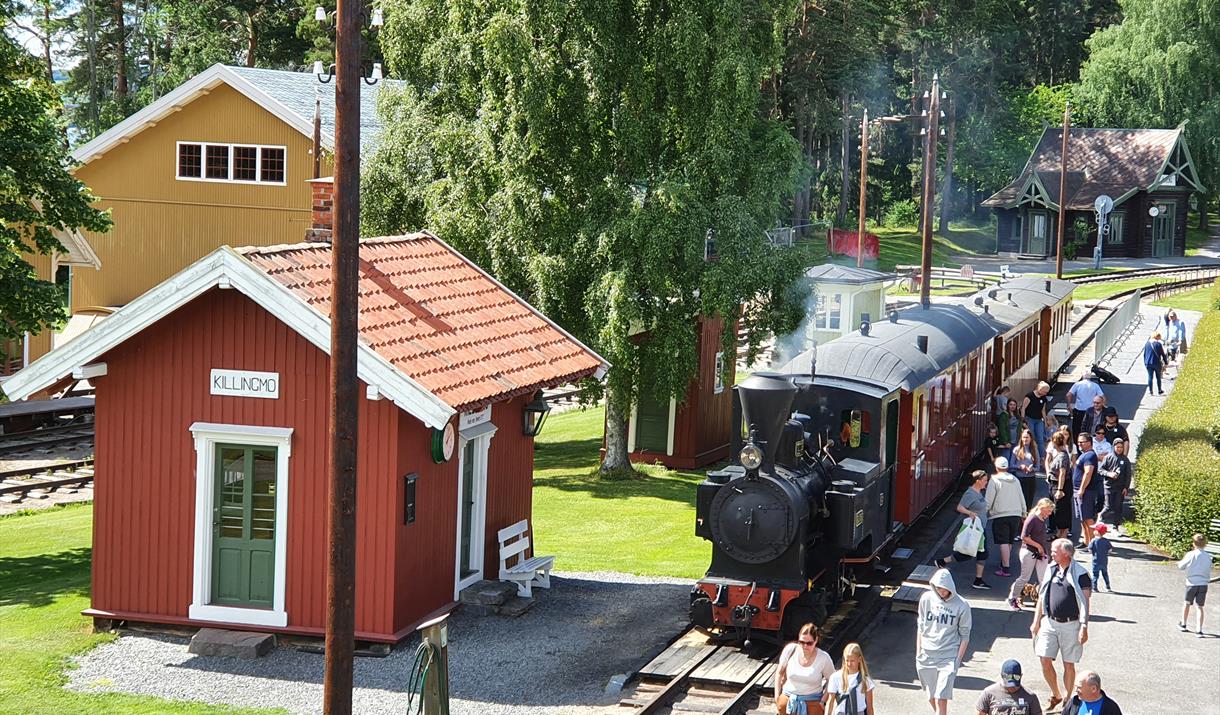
[(79, 251), (273, 296), (605, 364), (184, 94)]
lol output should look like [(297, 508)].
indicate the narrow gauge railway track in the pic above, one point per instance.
[(696, 675), (45, 437), (19, 485)]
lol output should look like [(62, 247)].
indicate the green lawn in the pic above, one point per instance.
[(902, 246), (1198, 299), (44, 585), (1195, 236), (1095, 291), (643, 526)]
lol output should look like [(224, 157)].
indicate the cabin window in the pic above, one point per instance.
[(1117, 224), (855, 428), (718, 384), (830, 312), (235, 163)]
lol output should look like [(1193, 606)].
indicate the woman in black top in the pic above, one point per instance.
[(1059, 479), (1034, 407)]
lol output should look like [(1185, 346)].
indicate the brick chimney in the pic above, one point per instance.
[(322, 222)]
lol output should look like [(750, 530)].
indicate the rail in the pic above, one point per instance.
[(17, 484), (45, 437)]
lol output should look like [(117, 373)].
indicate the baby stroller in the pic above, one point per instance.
[(1172, 350)]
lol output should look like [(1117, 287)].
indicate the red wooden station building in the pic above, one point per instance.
[(211, 424)]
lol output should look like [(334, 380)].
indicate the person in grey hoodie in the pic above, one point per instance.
[(942, 635), (1006, 508)]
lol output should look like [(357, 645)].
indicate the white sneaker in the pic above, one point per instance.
[(1182, 627), (1198, 634)]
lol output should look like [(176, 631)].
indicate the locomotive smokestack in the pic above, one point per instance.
[(766, 403)]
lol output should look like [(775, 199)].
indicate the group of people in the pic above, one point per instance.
[(1162, 349)]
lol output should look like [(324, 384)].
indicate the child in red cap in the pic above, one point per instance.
[(1099, 549)]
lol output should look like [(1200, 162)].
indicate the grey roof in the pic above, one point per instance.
[(1012, 302), (296, 91), (835, 273), (889, 356)]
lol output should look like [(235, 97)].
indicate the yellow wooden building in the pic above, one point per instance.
[(225, 158)]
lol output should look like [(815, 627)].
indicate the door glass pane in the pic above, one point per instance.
[(468, 495), (232, 492), (262, 496)]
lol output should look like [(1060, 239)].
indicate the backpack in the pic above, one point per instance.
[(1105, 375)]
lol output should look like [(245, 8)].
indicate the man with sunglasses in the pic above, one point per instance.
[(1086, 486)]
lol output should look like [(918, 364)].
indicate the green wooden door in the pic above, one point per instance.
[(651, 423), (243, 526), (1162, 235)]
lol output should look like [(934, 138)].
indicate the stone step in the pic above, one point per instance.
[(231, 644), (487, 593)]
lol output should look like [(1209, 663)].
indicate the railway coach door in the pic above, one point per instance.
[(243, 526)]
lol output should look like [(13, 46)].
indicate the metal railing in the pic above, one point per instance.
[(1115, 329)]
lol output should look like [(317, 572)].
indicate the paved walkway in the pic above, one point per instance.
[(1135, 646)]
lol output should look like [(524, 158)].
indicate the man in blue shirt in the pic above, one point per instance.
[(1090, 699), (1086, 486)]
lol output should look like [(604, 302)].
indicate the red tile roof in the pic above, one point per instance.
[(439, 319), (1100, 161)]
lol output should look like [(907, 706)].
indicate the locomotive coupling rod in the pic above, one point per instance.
[(674, 686)]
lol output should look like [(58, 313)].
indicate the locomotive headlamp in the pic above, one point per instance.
[(751, 456)]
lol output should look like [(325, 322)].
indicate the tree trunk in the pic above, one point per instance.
[(46, 40), (91, 42), (251, 40), (844, 165), (120, 53), (946, 188), (617, 457)]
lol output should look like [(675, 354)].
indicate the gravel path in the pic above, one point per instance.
[(557, 658)]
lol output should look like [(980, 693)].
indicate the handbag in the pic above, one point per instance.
[(969, 537)]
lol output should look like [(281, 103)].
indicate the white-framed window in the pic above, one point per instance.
[(829, 315), (718, 385), (232, 163)]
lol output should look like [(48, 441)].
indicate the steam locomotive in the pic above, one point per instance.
[(843, 448)]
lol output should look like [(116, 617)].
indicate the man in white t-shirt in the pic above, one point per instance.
[(1080, 398)]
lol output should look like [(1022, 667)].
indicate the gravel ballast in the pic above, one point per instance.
[(556, 658)]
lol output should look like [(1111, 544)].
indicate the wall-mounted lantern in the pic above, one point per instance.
[(535, 415)]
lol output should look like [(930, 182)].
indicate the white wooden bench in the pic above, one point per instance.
[(527, 570)]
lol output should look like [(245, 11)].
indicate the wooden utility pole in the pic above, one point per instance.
[(929, 192), (863, 189), (1063, 173), (344, 397)]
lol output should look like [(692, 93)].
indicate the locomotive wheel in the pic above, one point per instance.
[(798, 612)]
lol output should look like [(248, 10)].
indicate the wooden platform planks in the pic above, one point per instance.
[(906, 598), (729, 666), (691, 646)]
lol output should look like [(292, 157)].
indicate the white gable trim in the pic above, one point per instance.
[(605, 364), (220, 266), (184, 94)]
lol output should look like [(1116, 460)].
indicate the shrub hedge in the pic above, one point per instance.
[(1178, 467)]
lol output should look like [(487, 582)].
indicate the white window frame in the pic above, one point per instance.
[(824, 315), (480, 430), (1114, 238), (718, 382), (203, 166), (207, 435)]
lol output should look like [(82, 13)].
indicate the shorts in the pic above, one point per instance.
[(1196, 595), (937, 677), (1059, 639), (1006, 529), (1086, 506)]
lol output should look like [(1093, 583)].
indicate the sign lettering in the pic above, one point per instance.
[(245, 383)]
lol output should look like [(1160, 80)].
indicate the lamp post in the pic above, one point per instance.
[(929, 192), (344, 395), (865, 124)]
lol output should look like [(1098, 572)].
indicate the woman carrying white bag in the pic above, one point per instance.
[(973, 506)]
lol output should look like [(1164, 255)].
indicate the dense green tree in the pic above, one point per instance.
[(581, 150), (1158, 68), (38, 194)]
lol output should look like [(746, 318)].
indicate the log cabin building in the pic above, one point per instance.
[(211, 435), (1149, 173)]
